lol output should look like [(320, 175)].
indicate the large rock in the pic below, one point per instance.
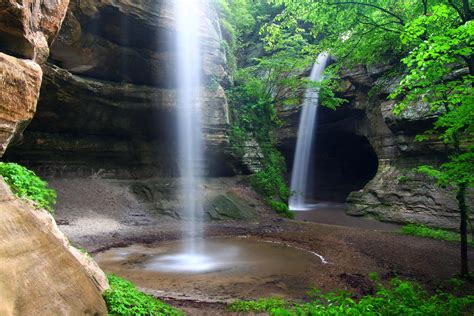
[(20, 85), (40, 274), (397, 193), (28, 27)]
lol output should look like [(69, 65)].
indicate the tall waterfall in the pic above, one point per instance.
[(189, 128), (306, 130)]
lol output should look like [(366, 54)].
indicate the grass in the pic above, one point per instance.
[(400, 298), (425, 231), (26, 184), (123, 298)]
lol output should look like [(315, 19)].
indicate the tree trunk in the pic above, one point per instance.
[(461, 197)]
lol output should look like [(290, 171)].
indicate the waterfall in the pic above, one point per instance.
[(189, 128), (306, 131)]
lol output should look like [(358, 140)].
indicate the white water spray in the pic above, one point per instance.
[(189, 128), (306, 130)]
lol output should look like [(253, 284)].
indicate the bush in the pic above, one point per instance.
[(26, 184), (401, 298), (123, 298), (269, 181), (425, 231), (281, 208)]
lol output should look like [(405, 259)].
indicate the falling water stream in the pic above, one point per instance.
[(306, 129), (189, 131)]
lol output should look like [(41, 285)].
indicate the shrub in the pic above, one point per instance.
[(269, 181), (26, 184), (281, 208), (425, 231), (123, 298), (401, 298)]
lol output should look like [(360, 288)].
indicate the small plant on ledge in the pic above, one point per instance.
[(26, 184)]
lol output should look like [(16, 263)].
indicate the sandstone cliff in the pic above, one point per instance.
[(108, 96)]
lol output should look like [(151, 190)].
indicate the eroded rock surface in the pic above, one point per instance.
[(40, 274), (20, 82), (394, 193), (107, 104), (28, 27)]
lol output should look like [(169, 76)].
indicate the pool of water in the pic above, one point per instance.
[(220, 268)]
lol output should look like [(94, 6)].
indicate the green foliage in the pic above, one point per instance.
[(459, 169), (269, 181), (123, 298), (401, 298), (403, 179), (354, 32), (258, 306), (424, 231), (26, 184), (281, 208)]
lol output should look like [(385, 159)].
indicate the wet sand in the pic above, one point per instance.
[(335, 214), (353, 251)]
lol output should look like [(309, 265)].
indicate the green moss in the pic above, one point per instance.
[(26, 184), (403, 179), (123, 298), (400, 298), (425, 231)]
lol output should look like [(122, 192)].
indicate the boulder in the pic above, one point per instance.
[(40, 274), (20, 85)]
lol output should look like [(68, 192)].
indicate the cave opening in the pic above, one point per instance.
[(341, 160)]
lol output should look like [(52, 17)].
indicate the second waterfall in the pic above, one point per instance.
[(304, 144)]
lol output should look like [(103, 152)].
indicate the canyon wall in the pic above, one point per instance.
[(107, 104)]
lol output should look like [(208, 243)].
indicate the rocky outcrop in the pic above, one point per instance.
[(397, 193), (107, 103), (394, 193), (20, 85), (27, 28), (220, 198), (40, 273)]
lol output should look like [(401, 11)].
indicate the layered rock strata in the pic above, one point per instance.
[(107, 103)]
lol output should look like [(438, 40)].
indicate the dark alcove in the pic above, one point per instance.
[(341, 160)]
